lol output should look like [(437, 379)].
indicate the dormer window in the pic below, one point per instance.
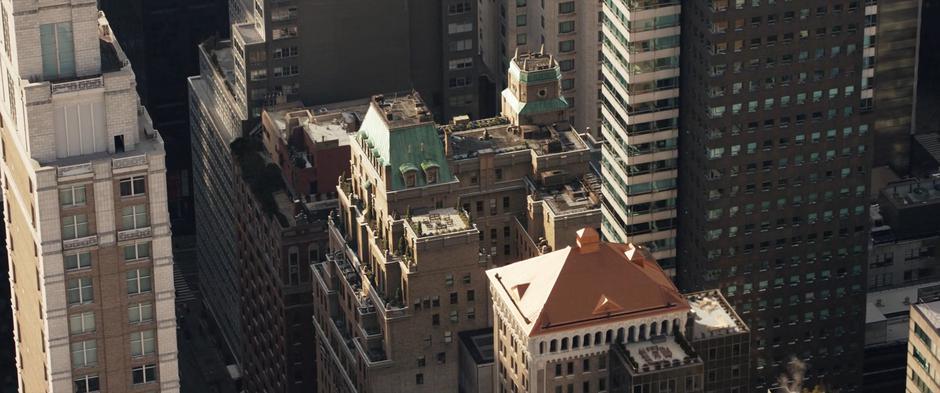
[(431, 171), (411, 178), (410, 174)]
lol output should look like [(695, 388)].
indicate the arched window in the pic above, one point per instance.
[(553, 346), (664, 328), (541, 347), (597, 338), (631, 337), (587, 340), (564, 344), (620, 336), (575, 342), (653, 329), (608, 336), (675, 326), (642, 333)]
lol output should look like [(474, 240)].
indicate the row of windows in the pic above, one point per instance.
[(722, 5), (779, 263), (85, 353), (75, 195), (84, 322), (720, 48), (79, 290), (142, 374), (132, 217)]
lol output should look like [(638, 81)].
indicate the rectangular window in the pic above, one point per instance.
[(82, 323), (134, 217), (58, 50), (79, 291), (137, 251), (74, 227), (133, 186), (78, 261), (72, 196), (142, 343), (459, 64), (139, 312), (87, 384), (138, 281), (84, 353), (144, 374)]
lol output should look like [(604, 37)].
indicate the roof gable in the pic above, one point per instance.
[(574, 286)]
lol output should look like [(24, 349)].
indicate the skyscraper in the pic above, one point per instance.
[(161, 39), (84, 187), (640, 111), (775, 163)]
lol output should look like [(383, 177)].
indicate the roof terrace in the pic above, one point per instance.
[(913, 192), (659, 353), (439, 222), (402, 109), (713, 316), (334, 122), (556, 138), (572, 197)]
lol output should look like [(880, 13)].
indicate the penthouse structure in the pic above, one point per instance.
[(598, 316), (85, 207), (567, 28), (425, 210)]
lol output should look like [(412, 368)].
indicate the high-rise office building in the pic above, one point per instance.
[(889, 78), (421, 219), (567, 28), (161, 39), (285, 189), (84, 186), (317, 52), (599, 316), (322, 52), (640, 96), (775, 163)]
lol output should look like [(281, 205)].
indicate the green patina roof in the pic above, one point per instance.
[(406, 148), (534, 107), (534, 76), (429, 164)]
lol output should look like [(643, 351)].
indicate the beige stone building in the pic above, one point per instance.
[(922, 355), (424, 211), (605, 317), (85, 207)]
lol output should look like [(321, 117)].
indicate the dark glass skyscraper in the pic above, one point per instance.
[(774, 168)]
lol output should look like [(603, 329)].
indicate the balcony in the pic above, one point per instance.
[(132, 234), (80, 242), (74, 170), (77, 85)]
